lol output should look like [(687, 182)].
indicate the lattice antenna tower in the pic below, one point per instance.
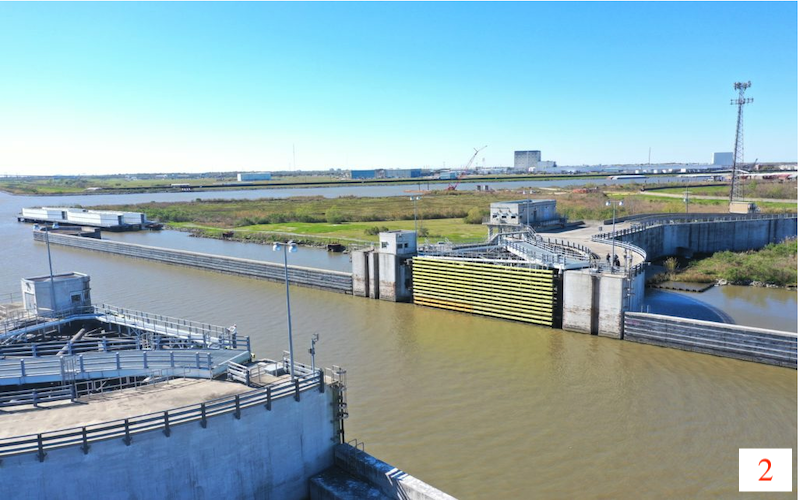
[(738, 149)]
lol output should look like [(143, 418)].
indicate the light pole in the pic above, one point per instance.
[(313, 351), (50, 263), (613, 231), (415, 199), (289, 246)]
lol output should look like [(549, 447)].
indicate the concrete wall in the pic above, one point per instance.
[(594, 302), (265, 454), (733, 341), (710, 237), (303, 276), (361, 275), (385, 480)]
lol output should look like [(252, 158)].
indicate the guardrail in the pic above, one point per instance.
[(79, 366), (52, 348), (127, 428), (705, 219), (77, 389)]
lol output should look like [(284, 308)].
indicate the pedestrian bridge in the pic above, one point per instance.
[(191, 363)]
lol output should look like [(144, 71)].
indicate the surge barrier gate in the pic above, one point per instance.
[(501, 291)]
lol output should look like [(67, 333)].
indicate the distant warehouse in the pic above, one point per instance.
[(254, 176), (380, 173)]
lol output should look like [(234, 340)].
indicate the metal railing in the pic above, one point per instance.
[(207, 334), (79, 389), (62, 366), (52, 348), (127, 428), (203, 334)]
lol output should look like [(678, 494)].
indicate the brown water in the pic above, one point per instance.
[(481, 408)]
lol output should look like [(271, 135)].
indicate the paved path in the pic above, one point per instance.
[(583, 235), (705, 197)]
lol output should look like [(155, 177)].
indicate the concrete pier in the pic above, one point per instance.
[(594, 301), (732, 341), (303, 276)]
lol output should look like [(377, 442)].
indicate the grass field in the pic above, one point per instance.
[(751, 189), (454, 230)]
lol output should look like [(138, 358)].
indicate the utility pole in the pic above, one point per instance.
[(738, 150), (686, 199)]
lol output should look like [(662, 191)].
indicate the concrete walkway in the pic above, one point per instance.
[(583, 236), (113, 405)]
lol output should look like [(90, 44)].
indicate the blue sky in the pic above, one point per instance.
[(143, 87)]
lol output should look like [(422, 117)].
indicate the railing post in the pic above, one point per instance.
[(116, 357), (22, 367), (297, 389), (69, 347), (172, 359), (197, 359), (40, 445), (85, 446), (166, 424), (268, 406), (238, 413), (248, 344), (127, 439), (203, 421), (80, 362), (209, 361), (35, 397), (34, 351), (144, 359), (105, 344)]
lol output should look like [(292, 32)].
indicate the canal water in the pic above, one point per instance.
[(481, 408)]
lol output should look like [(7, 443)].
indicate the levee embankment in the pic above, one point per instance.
[(324, 279)]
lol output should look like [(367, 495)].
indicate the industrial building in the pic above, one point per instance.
[(523, 160), (722, 159), (53, 296), (380, 173), (364, 174), (513, 215), (530, 161), (404, 173), (254, 176), (105, 219)]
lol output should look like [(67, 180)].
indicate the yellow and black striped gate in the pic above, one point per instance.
[(508, 292)]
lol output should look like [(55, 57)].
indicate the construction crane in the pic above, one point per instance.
[(452, 187)]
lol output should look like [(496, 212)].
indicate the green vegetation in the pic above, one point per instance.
[(316, 233), (775, 264), (453, 215), (227, 213), (701, 205), (785, 190)]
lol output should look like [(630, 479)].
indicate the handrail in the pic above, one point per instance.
[(122, 360), (125, 428)]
